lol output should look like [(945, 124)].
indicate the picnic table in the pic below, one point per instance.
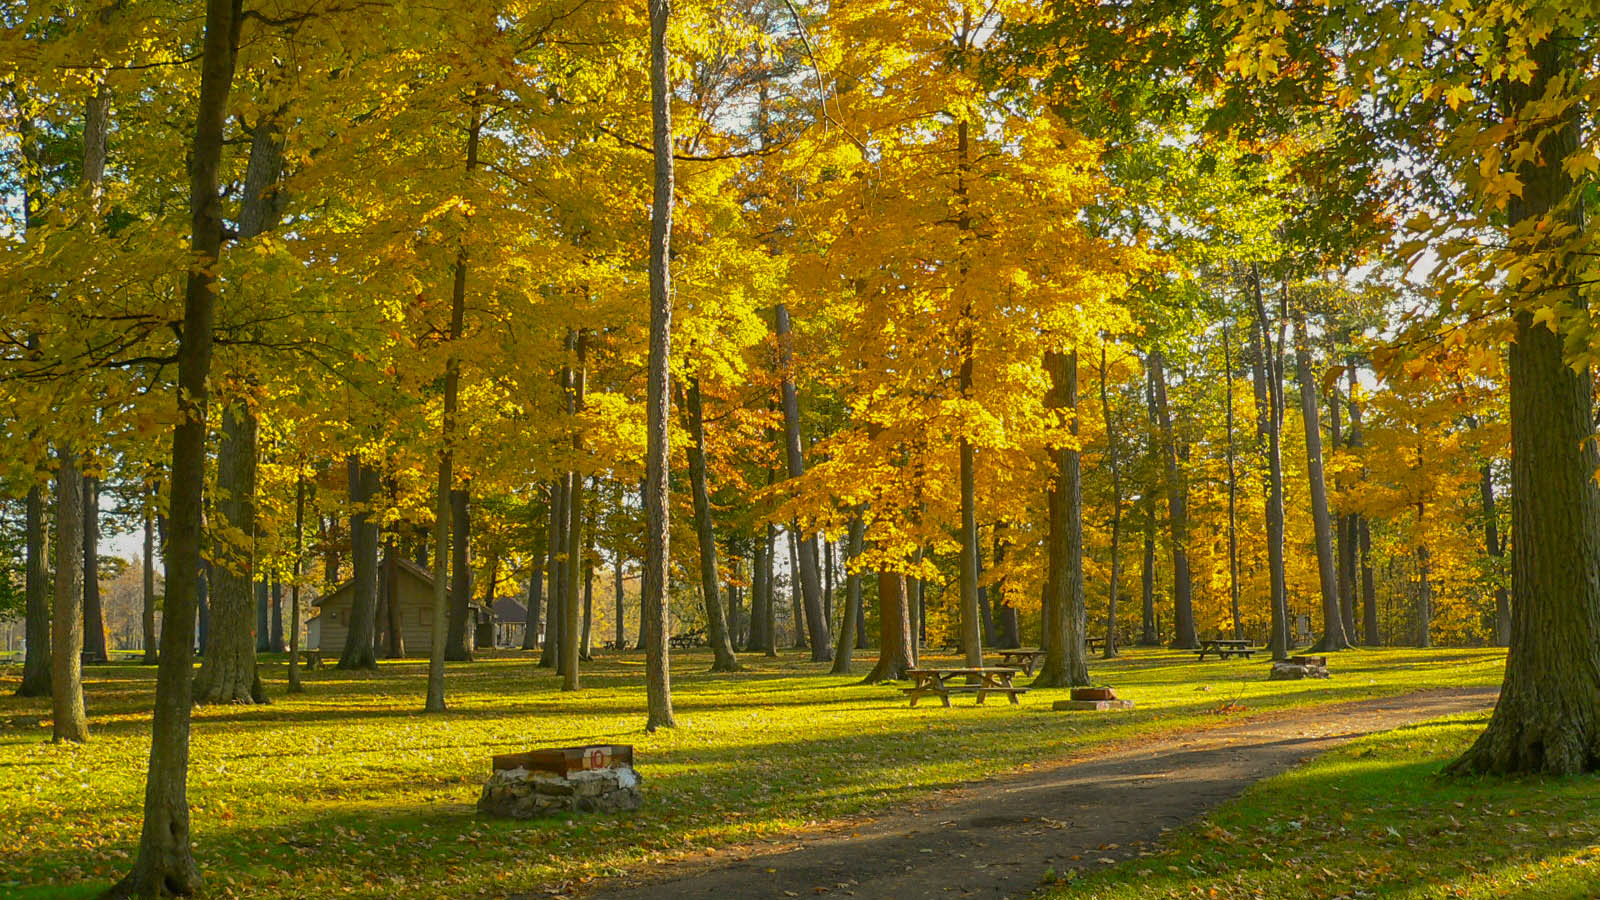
[(1097, 642), (1225, 647), (980, 680), (1021, 657), (689, 639), (311, 658)]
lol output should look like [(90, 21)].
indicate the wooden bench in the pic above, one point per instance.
[(1023, 658), (1224, 648), (980, 680)]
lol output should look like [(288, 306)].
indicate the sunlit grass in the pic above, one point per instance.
[(1375, 819), (350, 789)]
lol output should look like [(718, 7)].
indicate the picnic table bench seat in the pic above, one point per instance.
[(1224, 648), (979, 680)]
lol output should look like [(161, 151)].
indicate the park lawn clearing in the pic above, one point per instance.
[(1375, 818), (348, 790)]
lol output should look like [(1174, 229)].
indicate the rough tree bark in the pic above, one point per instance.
[(571, 609), (1184, 635), (228, 671), (894, 630), (723, 659), (1065, 663), (1333, 636), (164, 862), (530, 629), (653, 614)]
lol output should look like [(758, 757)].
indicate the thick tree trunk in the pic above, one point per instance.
[(809, 577), (66, 632), (94, 619), (571, 611), (852, 599), (894, 630), (653, 617), (723, 659), (1114, 463), (1063, 641), (1184, 635), (1548, 717), (1344, 532), (228, 672), (796, 603), (165, 862), (530, 627), (1333, 636), (358, 644), (36, 578), (391, 588)]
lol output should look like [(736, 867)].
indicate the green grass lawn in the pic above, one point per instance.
[(347, 790), (1375, 819)]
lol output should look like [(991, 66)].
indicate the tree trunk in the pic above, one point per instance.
[(391, 589), (554, 553), (575, 564), (1233, 493), (1064, 635), (621, 629), (760, 577), (147, 618), (1333, 636), (1271, 388), (586, 649), (1114, 462), (459, 631), (66, 632), (358, 645), (894, 630), (530, 625), (653, 615), (796, 606), (810, 582), (1149, 635), (94, 620), (228, 672), (276, 624), (1184, 636), (1008, 629), (1491, 540), (723, 659), (165, 861), (36, 663), (1344, 533), (1363, 534), (294, 586), (852, 599)]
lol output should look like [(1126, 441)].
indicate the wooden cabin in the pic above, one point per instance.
[(412, 590)]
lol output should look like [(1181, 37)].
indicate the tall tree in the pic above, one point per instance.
[(1333, 637), (165, 862), (94, 618), (1114, 463), (1184, 634), (1064, 624), (658, 402), (810, 581), (36, 611), (66, 632), (722, 659), (359, 641)]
